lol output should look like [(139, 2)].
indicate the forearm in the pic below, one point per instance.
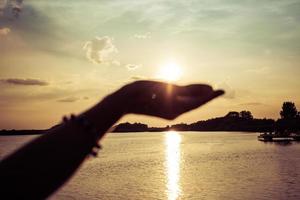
[(39, 168)]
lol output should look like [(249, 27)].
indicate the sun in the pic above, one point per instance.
[(170, 72)]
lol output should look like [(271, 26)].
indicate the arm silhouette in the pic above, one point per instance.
[(39, 168)]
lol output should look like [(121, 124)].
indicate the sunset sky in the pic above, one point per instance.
[(61, 57)]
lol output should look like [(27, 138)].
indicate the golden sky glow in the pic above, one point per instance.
[(60, 57)]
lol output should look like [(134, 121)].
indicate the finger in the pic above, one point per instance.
[(204, 100), (195, 90), (217, 93), (189, 103)]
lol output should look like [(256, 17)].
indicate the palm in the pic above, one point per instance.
[(166, 100)]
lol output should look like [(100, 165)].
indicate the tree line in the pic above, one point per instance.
[(233, 121)]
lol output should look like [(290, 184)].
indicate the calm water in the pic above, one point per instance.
[(183, 165)]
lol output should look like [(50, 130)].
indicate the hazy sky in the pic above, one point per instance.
[(60, 57)]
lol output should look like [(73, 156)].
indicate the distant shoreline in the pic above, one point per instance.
[(232, 122), (40, 132)]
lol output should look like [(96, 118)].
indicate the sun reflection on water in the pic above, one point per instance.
[(172, 141)]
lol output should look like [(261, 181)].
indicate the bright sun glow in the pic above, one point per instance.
[(170, 71)]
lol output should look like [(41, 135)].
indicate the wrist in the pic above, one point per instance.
[(105, 114), (113, 104)]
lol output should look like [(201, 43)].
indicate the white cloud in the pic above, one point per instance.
[(4, 31), (100, 49), (259, 70), (116, 63), (142, 36), (132, 66)]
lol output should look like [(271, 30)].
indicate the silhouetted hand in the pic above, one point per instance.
[(61, 150), (164, 100)]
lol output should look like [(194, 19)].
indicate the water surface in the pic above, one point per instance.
[(183, 165)]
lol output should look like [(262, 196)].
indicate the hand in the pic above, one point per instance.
[(164, 100)]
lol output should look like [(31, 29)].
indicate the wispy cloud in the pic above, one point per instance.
[(3, 4), (138, 77), (11, 7), (142, 36), (116, 63), (16, 7), (25, 82), (51, 93), (259, 70), (100, 49), (132, 66), (252, 104), (68, 100)]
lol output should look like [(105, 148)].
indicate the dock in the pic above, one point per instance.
[(270, 137)]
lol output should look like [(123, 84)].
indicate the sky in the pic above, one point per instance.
[(61, 57)]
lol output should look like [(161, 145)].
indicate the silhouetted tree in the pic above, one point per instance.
[(233, 114), (246, 114), (128, 127), (180, 127), (289, 110)]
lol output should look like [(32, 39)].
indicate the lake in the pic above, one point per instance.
[(182, 165)]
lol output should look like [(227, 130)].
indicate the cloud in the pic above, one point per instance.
[(252, 104), (68, 100), (39, 30), (4, 31), (12, 7), (100, 49), (142, 36), (26, 82), (138, 77), (16, 7), (132, 66), (2, 6), (52, 93), (259, 70), (116, 63)]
